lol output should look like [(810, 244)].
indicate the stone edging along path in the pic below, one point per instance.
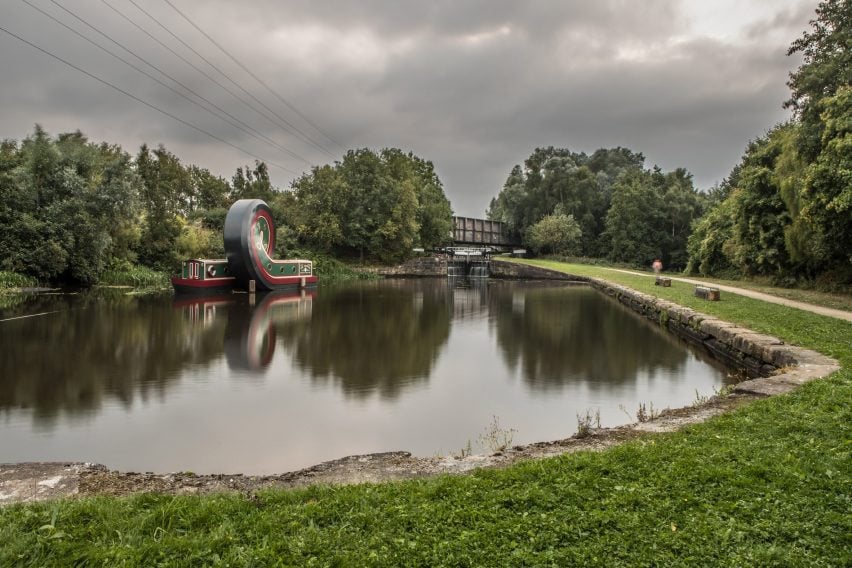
[(778, 368)]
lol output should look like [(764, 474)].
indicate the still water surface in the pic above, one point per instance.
[(223, 385)]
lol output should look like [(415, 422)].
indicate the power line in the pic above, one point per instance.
[(191, 64), (304, 136), (144, 102), (240, 124), (294, 129), (255, 77)]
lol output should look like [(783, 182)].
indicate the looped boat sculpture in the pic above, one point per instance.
[(249, 244)]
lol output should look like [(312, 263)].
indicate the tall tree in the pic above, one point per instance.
[(68, 207), (827, 190), (379, 205), (579, 184), (827, 66), (252, 183), (636, 221), (166, 191)]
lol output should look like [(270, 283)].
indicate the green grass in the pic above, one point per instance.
[(329, 269), (13, 281), (835, 300), (136, 276), (767, 485)]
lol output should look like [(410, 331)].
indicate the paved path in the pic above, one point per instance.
[(830, 312)]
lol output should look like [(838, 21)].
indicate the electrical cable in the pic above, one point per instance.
[(244, 127), (144, 102), (294, 129), (255, 77), (191, 64)]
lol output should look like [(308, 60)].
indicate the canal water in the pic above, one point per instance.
[(224, 384)]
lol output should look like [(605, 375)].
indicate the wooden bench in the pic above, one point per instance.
[(662, 281), (707, 293)]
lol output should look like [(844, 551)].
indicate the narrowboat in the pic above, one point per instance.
[(249, 236), (205, 276)]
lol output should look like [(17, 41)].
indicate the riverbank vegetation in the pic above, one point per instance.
[(784, 212), (13, 280), (764, 485), (82, 213)]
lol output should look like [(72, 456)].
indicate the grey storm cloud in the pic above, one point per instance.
[(472, 86)]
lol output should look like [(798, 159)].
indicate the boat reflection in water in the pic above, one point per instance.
[(249, 341)]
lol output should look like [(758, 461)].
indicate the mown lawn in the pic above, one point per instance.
[(767, 485)]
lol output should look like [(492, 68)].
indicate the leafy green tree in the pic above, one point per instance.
[(827, 66), (709, 243), (758, 240), (379, 205), (166, 192), (748, 230), (68, 207), (315, 207), (434, 213), (681, 206), (555, 234), (788, 207), (827, 190), (636, 219), (579, 184), (252, 183), (208, 192)]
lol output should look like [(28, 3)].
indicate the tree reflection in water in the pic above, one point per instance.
[(374, 337), (562, 335), (92, 346), (371, 338)]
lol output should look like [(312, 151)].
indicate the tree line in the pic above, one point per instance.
[(785, 211), (71, 209), (602, 205)]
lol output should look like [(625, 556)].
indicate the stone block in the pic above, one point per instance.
[(707, 293), (765, 386)]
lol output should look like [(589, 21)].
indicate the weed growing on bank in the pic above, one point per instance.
[(134, 275), (13, 280)]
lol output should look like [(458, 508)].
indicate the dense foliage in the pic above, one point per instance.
[(784, 212), (370, 204), (624, 212), (555, 234), (77, 212), (787, 207)]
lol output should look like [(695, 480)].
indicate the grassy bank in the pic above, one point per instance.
[(840, 300), (330, 269), (11, 281), (768, 485), (136, 276)]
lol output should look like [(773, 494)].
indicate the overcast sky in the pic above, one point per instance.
[(472, 86)]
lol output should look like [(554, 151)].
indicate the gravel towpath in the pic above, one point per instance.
[(823, 311)]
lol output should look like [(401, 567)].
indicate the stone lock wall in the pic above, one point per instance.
[(775, 366)]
